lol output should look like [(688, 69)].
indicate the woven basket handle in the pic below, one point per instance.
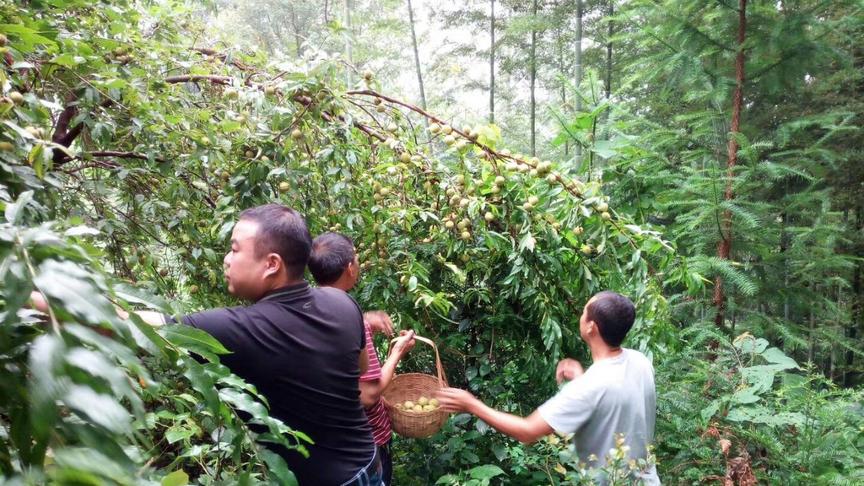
[(442, 379)]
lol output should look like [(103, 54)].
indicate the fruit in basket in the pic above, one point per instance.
[(428, 408), (422, 401), (399, 406), (433, 402), (418, 408), (408, 405)]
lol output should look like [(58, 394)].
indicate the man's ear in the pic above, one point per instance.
[(274, 265), (353, 270)]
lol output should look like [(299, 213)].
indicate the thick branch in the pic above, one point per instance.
[(223, 57), (191, 78)]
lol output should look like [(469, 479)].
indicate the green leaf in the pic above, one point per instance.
[(202, 382), (244, 402), (92, 461), (192, 339), (487, 471), (176, 478), (100, 409), (277, 467), (69, 285), (778, 357)]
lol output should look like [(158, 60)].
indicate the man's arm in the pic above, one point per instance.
[(364, 360), (370, 391), (40, 303), (524, 429)]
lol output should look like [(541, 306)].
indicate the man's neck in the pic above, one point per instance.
[(602, 351), (277, 284)]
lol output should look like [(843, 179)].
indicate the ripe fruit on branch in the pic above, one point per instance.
[(533, 200), (6, 147), (269, 90), (449, 224), (446, 129), (405, 157), (434, 128), (392, 127), (500, 180), (284, 186), (449, 139), (296, 134), (605, 215), (16, 97), (578, 230), (249, 154), (367, 75), (586, 249), (602, 207), (466, 235), (489, 217)]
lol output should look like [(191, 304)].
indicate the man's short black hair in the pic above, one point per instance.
[(283, 231), (614, 315), (331, 255)]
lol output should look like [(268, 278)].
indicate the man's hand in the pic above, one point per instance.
[(378, 321), (403, 344), (567, 370), (455, 400)]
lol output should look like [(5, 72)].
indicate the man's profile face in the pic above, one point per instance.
[(583, 320), (244, 268)]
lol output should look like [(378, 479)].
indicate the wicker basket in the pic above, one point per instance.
[(410, 386)]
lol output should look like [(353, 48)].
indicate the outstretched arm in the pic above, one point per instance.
[(370, 391), (524, 429), (40, 303)]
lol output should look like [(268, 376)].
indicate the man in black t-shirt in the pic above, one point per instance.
[(302, 347)]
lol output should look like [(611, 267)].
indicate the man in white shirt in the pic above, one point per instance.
[(614, 396)]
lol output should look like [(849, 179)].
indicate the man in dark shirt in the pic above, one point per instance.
[(299, 346)]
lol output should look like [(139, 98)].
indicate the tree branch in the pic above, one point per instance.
[(187, 78)]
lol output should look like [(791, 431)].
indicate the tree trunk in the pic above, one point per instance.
[(857, 313), (298, 42), (533, 68), (578, 74), (724, 246), (608, 82), (416, 57), (492, 63), (348, 54)]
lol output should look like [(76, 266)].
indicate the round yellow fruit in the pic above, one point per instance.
[(296, 134), (433, 402), (409, 404), (418, 408), (284, 186), (423, 401)]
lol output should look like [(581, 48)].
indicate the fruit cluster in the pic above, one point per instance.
[(422, 405)]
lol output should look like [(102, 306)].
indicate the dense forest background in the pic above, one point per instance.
[(497, 162)]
